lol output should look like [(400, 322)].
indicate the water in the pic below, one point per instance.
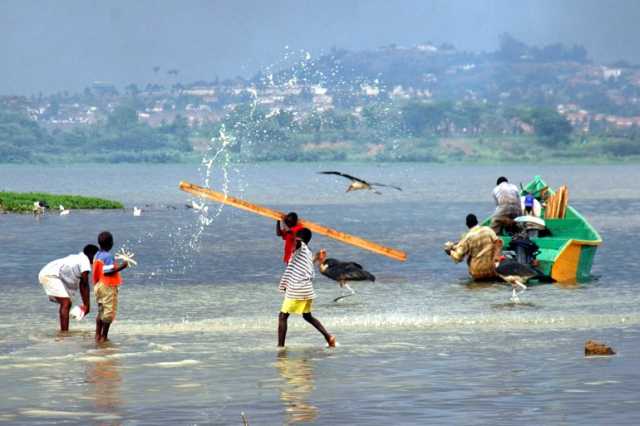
[(195, 338)]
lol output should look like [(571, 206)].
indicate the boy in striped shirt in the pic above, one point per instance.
[(297, 285)]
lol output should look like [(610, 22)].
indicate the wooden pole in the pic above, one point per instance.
[(276, 215)]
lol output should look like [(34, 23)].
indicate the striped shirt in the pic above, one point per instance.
[(296, 282)]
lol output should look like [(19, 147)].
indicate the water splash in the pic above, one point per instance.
[(217, 154)]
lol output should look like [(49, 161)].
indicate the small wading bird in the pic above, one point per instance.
[(357, 183), (63, 211), (137, 211), (516, 274), (39, 207), (342, 272)]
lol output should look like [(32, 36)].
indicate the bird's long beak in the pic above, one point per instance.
[(320, 256)]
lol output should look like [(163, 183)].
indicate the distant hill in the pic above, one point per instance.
[(420, 103)]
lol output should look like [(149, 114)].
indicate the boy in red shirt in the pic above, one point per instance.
[(106, 280), (288, 234)]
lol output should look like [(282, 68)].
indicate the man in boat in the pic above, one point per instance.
[(480, 245), (507, 198)]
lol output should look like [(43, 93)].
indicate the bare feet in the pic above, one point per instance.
[(332, 341)]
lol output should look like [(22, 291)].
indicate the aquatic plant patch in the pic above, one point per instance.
[(23, 202)]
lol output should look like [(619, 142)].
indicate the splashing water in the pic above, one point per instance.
[(221, 156), (248, 128)]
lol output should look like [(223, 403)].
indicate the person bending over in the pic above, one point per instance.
[(480, 245), (61, 278)]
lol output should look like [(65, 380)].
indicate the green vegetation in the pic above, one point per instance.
[(396, 103), (416, 131), (23, 202)]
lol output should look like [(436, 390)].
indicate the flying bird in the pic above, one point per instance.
[(137, 211), (516, 274), (342, 272), (357, 183)]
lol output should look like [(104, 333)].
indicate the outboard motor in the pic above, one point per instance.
[(525, 249)]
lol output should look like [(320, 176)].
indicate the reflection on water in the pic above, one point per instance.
[(105, 381), (295, 390)]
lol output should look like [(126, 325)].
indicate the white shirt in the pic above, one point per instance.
[(68, 269), (506, 194)]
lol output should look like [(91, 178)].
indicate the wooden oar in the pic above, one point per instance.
[(276, 215)]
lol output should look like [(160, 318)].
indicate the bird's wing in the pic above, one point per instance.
[(352, 271), (352, 265), (385, 185), (345, 176)]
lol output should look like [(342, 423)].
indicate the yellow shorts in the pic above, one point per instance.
[(107, 300), (292, 306)]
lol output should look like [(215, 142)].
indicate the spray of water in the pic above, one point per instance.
[(217, 155), (259, 128)]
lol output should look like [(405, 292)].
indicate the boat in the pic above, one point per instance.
[(568, 247)]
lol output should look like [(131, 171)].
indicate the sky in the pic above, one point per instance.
[(54, 45)]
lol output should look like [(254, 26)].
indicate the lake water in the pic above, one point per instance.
[(195, 338)]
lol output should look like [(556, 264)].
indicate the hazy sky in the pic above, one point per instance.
[(60, 44)]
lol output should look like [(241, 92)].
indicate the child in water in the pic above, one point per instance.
[(288, 234), (297, 286), (106, 280)]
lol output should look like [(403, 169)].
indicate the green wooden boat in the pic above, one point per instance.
[(567, 254)]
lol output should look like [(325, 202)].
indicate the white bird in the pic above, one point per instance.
[(39, 207), (137, 211), (199, 207), (63, 211)]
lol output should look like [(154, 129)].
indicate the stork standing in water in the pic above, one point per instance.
[(516, 274), (342, 272), (357, 183)]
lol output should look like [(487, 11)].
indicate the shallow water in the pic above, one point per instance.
[(194, 342)]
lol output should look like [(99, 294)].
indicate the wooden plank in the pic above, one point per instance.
[(277, 215)]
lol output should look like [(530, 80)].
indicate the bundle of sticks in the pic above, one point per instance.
[(556, 204)]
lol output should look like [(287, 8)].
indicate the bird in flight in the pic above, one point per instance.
[(357, 183)]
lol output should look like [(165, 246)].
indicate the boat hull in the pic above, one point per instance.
[(567, 254)]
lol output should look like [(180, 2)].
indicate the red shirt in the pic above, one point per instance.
[(289, 238)]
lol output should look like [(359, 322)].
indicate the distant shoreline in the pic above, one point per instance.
[(23, 202), (465, 161)]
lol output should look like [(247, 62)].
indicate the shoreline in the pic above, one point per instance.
[(23, 202)]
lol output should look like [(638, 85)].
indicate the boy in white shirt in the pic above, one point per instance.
[(62, 277)]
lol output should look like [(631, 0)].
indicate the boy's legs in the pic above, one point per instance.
[(282, 328), (105, 331), (98, 326), (107, 300), (318, 326)]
